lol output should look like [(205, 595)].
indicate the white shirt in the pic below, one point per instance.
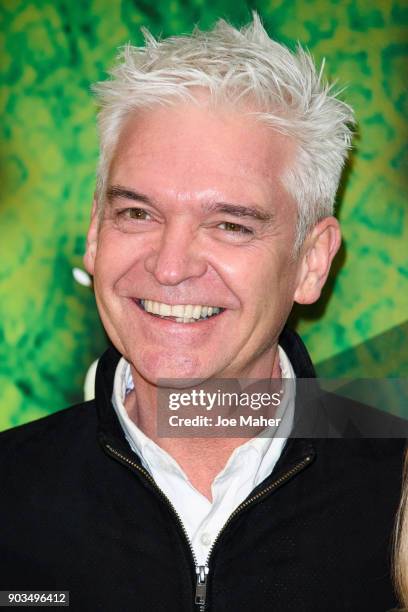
[(249, 464)]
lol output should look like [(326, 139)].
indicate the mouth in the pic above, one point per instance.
[(179, 313)]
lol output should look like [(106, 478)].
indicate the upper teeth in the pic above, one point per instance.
[(181, 311)]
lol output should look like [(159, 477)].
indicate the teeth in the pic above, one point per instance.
[(196, 312), (177, 310), (184, 313), (165, 310)]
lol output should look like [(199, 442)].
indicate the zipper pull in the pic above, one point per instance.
[(201, 587)]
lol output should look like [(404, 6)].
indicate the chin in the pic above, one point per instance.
[(154, 366)]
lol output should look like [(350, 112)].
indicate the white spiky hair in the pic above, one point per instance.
[(235, 66)]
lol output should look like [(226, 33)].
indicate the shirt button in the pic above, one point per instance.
[(205, 539)]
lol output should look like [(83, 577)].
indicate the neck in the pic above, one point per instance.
[(200, 458)]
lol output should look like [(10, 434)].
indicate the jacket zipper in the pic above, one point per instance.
[(297, 468), (129, 462), (202, 571)]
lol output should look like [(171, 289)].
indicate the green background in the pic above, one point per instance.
[(51, 52)]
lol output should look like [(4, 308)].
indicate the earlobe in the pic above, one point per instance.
[(320, 248), (91, 241)]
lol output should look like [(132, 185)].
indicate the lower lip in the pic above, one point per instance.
[(170, 322)]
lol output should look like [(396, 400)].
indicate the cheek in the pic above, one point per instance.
[(114, 257), (274, 284)]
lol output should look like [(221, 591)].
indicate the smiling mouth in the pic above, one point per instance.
[(179, 313)]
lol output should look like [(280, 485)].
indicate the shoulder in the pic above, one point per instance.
[(51, 424), (34, 446)]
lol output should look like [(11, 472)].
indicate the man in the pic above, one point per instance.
[(220, 158)]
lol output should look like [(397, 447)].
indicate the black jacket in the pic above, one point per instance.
[(78, 513)]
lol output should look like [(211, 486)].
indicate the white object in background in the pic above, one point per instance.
[(81, 277), (89, 384)]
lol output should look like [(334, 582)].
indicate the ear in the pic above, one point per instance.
[(92, 240), (318, 252)]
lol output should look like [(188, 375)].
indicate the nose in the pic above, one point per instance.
[(177, 256)]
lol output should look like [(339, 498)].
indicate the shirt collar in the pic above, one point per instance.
[(149, 452)]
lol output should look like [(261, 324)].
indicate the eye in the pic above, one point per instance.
[(133, 219), (235, 228), (134, 213)]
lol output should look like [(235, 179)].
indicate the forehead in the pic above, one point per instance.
[(192, 147)]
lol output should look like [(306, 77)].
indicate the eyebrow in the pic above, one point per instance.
[(117, 191), (236, 210)]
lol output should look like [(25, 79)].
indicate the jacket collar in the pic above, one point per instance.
[(297, 353)]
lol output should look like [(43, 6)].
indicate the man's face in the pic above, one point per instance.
[(196, 216)]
